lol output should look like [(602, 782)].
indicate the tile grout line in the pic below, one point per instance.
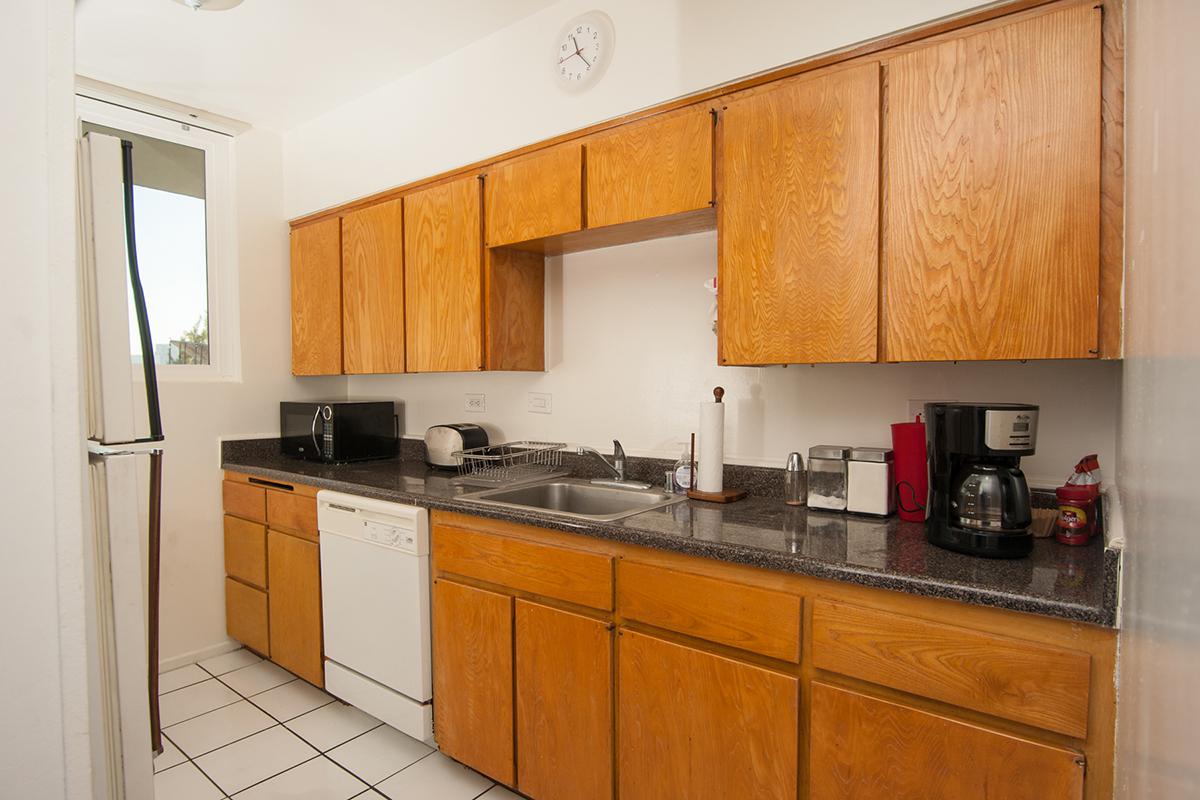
[(188, 760), (375, 785)]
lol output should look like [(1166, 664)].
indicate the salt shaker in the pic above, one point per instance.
[(793, 481)]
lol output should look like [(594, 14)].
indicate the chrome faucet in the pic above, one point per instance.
[(617, 467)]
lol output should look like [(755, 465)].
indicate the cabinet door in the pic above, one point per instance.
[(535, 197), (373, 289), (564, 704), (650, 169), (798, 247), (473, 677), (246, 551), (993, 193), (294, 575), (246, 616), (696, 725), (317, 298), (443, 269), (866, 747)]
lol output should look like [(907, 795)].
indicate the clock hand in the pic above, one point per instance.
[(584, 60)]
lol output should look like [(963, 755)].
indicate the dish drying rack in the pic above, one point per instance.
[(509, 463)]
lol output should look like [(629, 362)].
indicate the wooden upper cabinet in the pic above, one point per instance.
[(473, 677), (443, 278), (373, 289), (651, 169), (993, 193), (535, 196), (294, 578), (798, 221), (564, 704), (697, 725), (862, 746), (317, 298), (514, 309)]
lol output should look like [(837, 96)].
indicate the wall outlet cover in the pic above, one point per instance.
[(539, 403), (475, 403)]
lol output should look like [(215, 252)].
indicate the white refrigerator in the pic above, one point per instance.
[(122, 433)]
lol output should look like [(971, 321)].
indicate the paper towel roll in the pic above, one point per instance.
[(711, 458)]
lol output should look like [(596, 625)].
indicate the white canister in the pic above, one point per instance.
[(869, 479)]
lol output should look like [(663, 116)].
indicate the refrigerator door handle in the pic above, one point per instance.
[(139, 299), (153, 556)]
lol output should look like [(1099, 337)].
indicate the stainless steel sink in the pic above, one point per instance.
[(577, 498)]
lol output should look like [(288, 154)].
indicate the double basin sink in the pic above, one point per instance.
[(577, 499)]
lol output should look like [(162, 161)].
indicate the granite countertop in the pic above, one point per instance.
[(1074, 583)]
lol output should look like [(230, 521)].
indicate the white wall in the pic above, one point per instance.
[(629, 347), (1159, 710), (197, 415), (44, 748), (500, 92)]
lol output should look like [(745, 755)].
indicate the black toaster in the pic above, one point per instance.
[(442, 441)]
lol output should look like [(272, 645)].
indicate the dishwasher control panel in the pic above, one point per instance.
[(392, 525)]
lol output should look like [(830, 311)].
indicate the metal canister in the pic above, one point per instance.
[(870, 481), (827, 476), (793, 481)]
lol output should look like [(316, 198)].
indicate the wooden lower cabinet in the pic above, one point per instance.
[(473, 677), (294, 575), (697, 725), (862, 746), (564, 704), (246, 616)]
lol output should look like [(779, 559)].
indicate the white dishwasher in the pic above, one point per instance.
[(375, 604)]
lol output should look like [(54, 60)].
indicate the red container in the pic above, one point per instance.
[(1076, 513), (912, 470)]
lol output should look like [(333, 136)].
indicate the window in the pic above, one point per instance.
[(183, 223)]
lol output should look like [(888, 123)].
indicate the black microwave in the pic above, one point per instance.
[(338, 430)]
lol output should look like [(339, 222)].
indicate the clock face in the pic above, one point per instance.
[(584, 50)]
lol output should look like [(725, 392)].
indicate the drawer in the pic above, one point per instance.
[(736, 614), (244, 500), (246, 616), (541, 569), (246, 551), (1028, 682), (292, 512)]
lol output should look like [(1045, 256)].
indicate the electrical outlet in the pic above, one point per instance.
[(539, 403), (918, 407), (475, 403)]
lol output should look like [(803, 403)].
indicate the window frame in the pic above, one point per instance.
[(224, 350)]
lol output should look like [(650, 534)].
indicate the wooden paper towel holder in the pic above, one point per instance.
[(723, 496)]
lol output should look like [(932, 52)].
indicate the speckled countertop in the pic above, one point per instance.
[(1075, 583)]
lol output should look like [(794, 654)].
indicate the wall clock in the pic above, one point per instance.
[(583, 50)]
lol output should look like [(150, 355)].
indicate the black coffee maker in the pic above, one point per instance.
[(978, 499)]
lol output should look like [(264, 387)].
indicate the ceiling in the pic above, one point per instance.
[(276, 63)]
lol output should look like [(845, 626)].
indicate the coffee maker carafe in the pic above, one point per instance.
[(979, 500)]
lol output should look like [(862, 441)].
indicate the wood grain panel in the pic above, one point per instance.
[(317, 298), (373, 289), (1037, 684), (861, 746), (747, 617), (564, 704), (293, 513), (473, 677), (515, 310), (246, 618), (575, 576), (294, 575), (541, 195), (443, 278), (246, 551), (695, 725), (993, 192), (1112, 178), (798, 221), (243, 500), (650, 169)]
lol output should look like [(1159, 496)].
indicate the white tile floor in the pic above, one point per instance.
[(236, 726)]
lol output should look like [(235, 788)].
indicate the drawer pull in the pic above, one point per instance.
[(287, 487)]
